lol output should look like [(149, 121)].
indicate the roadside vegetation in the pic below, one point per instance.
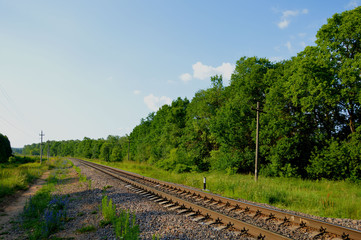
[(326, 198), (122, 221), (18, 173), (45, 213)]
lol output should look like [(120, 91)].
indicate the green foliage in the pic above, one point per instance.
[(155, 237), (117, 154), (123, 222), (85, 229), (105, 151), (16, 176), (82, 177), (108, 209), (339, 41), (125, 226), (339, 160), (5, 149), (36, 205), (22, 159)]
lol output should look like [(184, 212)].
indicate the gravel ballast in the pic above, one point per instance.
[(153, 219)]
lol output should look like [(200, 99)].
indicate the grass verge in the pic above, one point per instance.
[(325, 198), (17, 175), (43, 213)]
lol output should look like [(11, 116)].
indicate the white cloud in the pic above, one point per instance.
[(305, 11), (289, 46), (283, 24), (353, 4), (276, 59), (154, 102), (201, 71), (302, 35), (136, 92), (287, 15), (185, 77)]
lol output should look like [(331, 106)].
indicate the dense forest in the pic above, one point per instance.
[(309, 128)]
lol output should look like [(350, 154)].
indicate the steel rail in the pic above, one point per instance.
[(323, 227), (244, 227)]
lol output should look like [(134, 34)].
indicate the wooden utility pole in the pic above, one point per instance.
[(257, 147), (41, 142)]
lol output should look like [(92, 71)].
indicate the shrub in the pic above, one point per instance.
[(337, 161)]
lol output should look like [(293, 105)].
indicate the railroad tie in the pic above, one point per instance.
[(190, 214), (221, 206), (321, 232), (153, 198), (148, 195), (213, 203), (220, 227), (197, 219), (175, 207), (169, 205), (210, 222), (183, 211)]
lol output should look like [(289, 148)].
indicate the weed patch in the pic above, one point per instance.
[(85, 229), (82, 177), (123, 221)]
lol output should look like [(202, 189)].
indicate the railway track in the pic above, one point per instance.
[(244, 218)]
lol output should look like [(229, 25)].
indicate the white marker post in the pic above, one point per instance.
[(204, 184)]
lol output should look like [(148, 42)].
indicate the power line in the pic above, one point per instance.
[(10, 105), (12, 125)]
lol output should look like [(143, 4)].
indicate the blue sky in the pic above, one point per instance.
[(95, 68)]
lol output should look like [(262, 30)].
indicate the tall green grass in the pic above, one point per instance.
[(123, 221), (339, 199), (15, 176)]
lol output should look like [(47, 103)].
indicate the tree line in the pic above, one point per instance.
[(110, 149), (310, 127), (5, 148)]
